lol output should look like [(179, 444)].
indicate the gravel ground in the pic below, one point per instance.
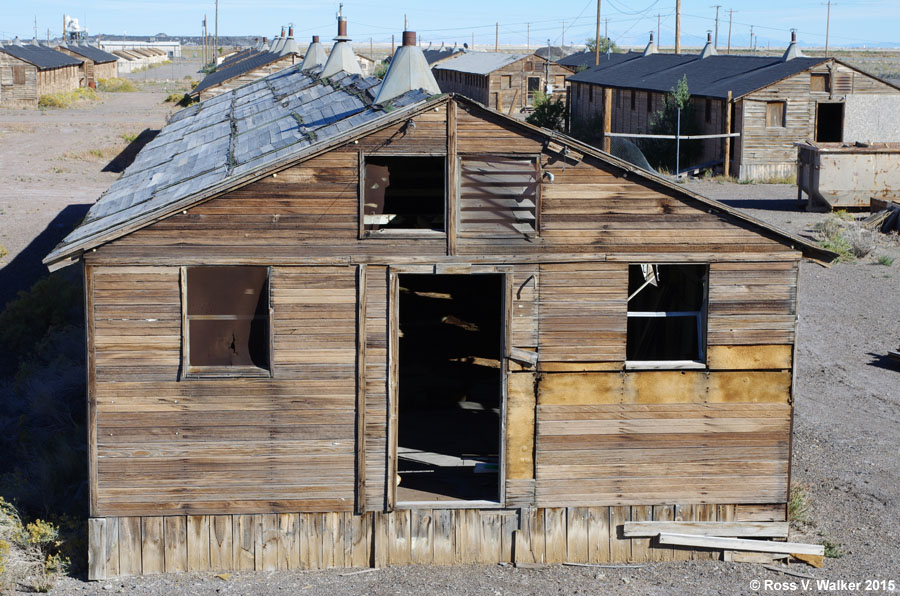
[(846, 426)]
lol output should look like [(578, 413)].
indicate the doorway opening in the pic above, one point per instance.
[(449, 406), (829, 122)]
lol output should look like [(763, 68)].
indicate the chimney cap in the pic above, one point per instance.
[(409, 38), (342, 30), (315, 39)]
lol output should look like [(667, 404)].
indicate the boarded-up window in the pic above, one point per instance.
[(505, 81), (18, 75), (498, 196), (667, 313), (775, 114), (529, 65), (560, 81), (403, 193), (818, 82), (227, 311)]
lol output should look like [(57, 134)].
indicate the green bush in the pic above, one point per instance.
[(548, 113), (67, 98), (116, 85)]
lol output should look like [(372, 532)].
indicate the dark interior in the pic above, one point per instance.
[(227, 310), (449, 405), (407, 191), (830, 122), (679, 289)]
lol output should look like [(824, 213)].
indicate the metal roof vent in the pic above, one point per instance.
[(315, 55), (342, 58), (708, 50), (408, 71), (651, 47), (290, 45), (264, 46), (793, 50), (278, 44)]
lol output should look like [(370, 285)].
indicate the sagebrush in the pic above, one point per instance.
[(29, 553)]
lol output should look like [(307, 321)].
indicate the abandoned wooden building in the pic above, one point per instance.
[(347, 322), (768, 102), (507, 83), (247, 66), (96, 64), (28, 71)]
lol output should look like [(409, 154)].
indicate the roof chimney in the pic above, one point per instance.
[(315, 55), (708, 50), (793, 50), (651, 47), (290, 45), (408, 71), (277, 43), (342, 58)]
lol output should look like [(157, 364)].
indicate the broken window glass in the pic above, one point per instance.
[(227, 317), (404, 193), (667, 312)]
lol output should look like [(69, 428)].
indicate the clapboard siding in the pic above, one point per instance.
[(224, 445), (376, 387), (624, 454)]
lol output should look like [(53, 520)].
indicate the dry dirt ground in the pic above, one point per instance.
[(847, 424)]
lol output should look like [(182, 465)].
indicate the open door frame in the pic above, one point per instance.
[(393, 366)]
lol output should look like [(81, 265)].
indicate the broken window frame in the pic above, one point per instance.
[(189, 371), (701, 326), (398, 232)]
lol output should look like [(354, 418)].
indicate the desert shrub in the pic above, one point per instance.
[(885, 260), (548, 113), (116, 85), (29, 553), (798, 505), (862, 241), (381, 69)]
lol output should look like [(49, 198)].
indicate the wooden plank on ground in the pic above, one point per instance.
[(640, 547), (746, 544), (646, 529), (175, 543), (221, 556), (198, 543), (598, 535), (97, 548), (577, 535), (129, 546), (152, 546)]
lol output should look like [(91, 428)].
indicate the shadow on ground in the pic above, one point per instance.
[(126, 157), (26, 268), (766, 204)]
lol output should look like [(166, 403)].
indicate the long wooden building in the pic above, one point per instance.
[(340, 322), (768, 102), (96, 64), (28, 71)]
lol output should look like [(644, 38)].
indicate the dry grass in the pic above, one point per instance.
[(116, 85), (97, 154), (67, 99)]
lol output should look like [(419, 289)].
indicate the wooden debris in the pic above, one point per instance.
[(874, 220), (894, 355), (639, 529), (791, 548), (787, 571), (743, 556), (817, 561)]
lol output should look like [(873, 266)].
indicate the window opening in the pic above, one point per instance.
[(534, 87), (403, 193), (830, 122), (448, 440), (227, 311), (666, 313)]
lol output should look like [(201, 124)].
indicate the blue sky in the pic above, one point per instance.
[(853, 22)]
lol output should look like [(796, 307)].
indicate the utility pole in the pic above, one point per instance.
[(677, 26), (497, 36), (730, 14), (528, 37), (392, 44), (216, 50), (827, 24), (658, 38), (716, 38), (606, 33), (597, 38), (562, 42), (473, 41), (751, 38), (35, 28)]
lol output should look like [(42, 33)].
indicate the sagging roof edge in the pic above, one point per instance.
[(63, 256)]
